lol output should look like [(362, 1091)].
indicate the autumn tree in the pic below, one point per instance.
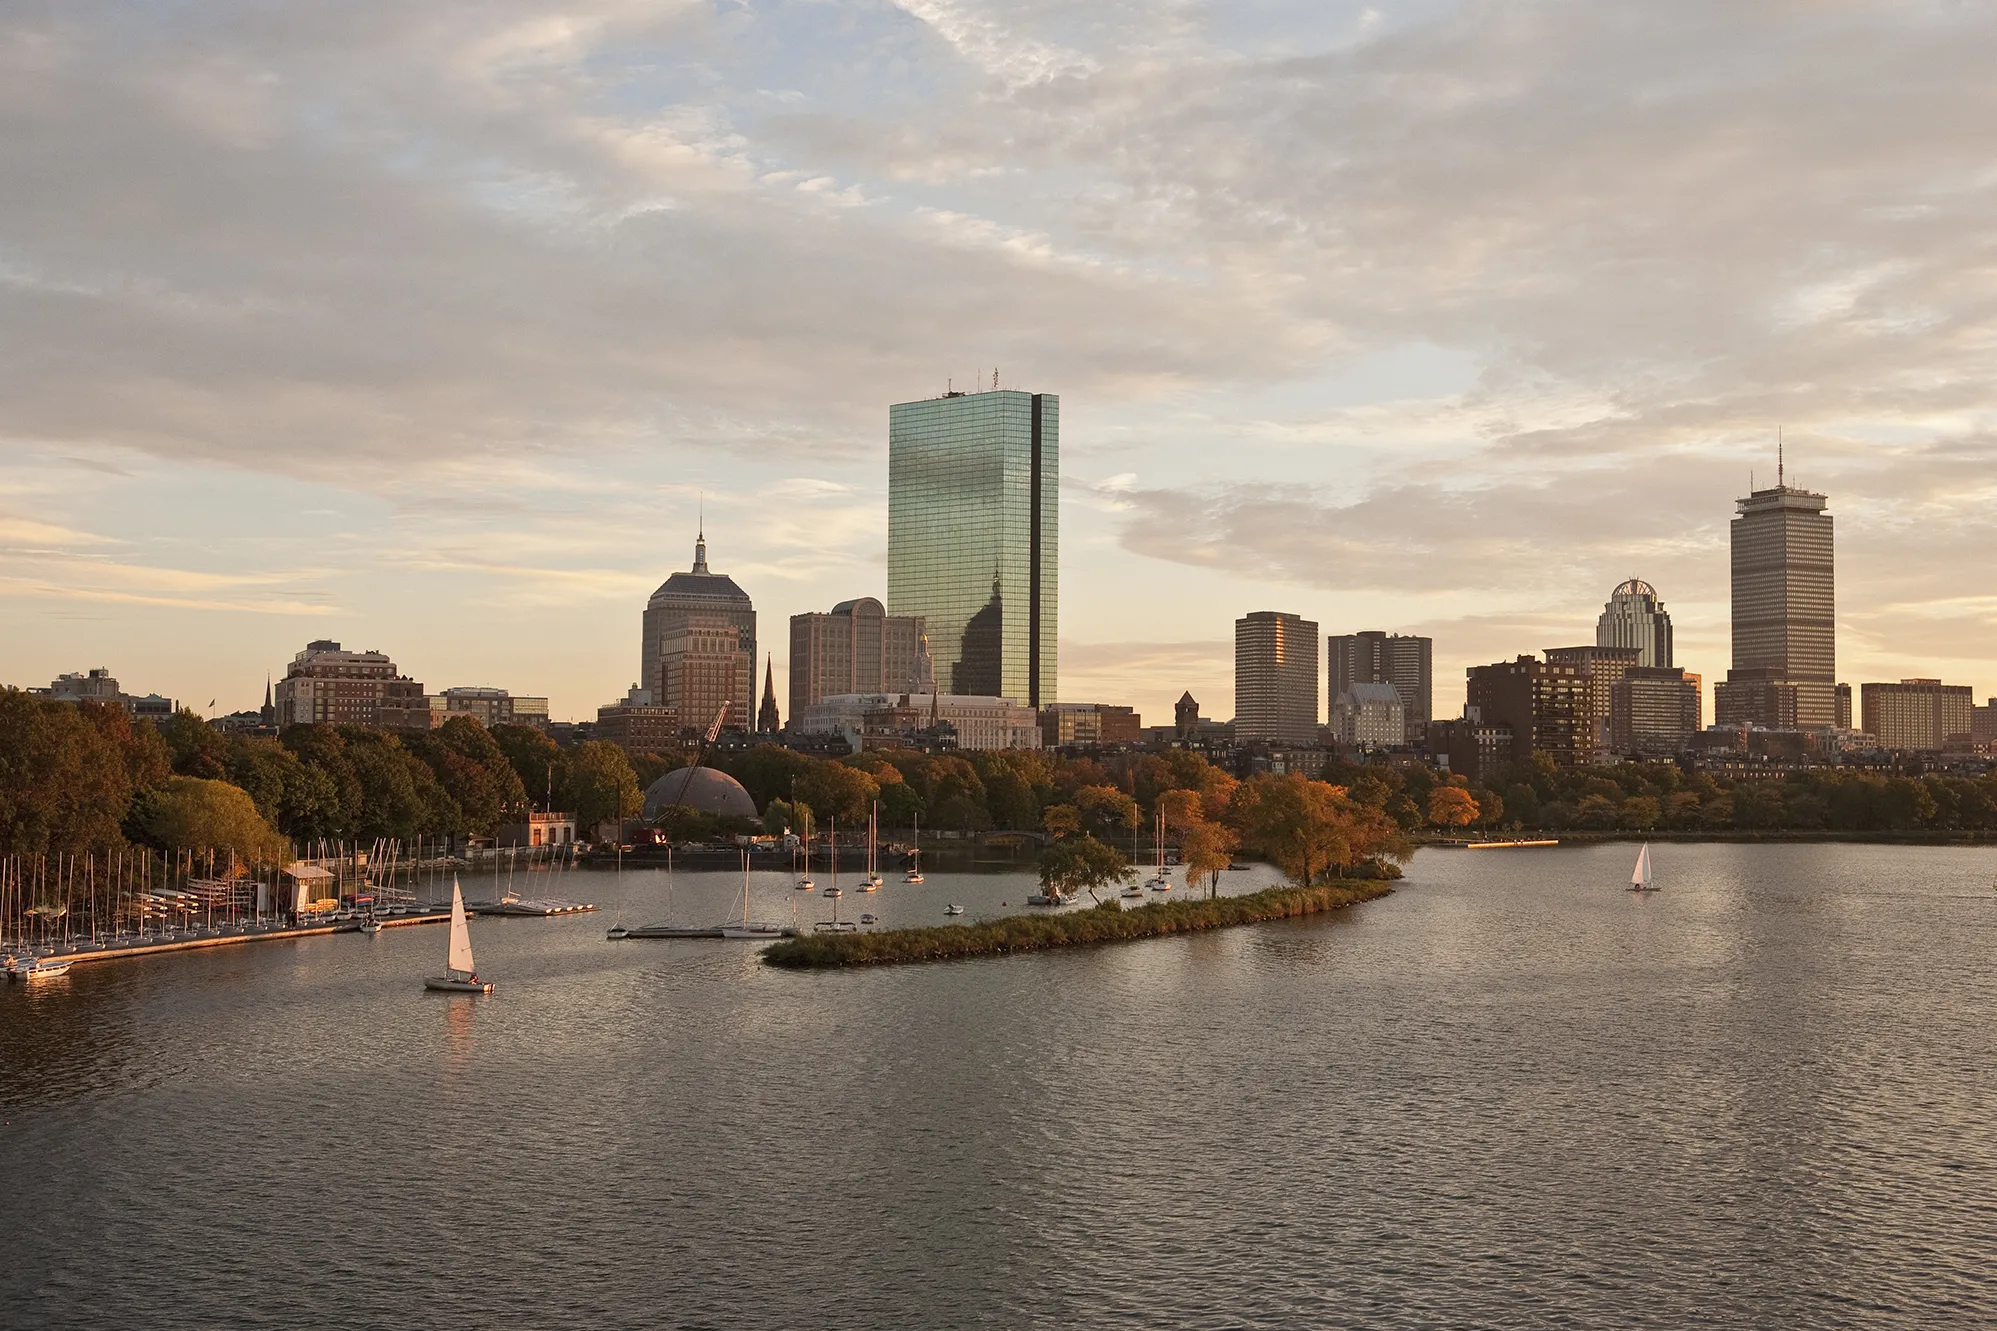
[(1081, 864), (1452, 806)]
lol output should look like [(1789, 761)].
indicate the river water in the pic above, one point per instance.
[(1511, 1094)]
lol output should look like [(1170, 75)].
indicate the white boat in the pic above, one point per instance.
[(1639, 879), (460, 976), (38, 968), (370, 926), (867, 917), (953, 909), (872, 882), (668, 931), (1056, 898), (1132, 893), (914, 874), (804, 884), (1161, 881)]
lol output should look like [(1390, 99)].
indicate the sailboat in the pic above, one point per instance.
[(1639, 879), (668, 930), (459, 976), (914, 874), (832, 858), (872, 882), (1160, 880), (747, 928), (804, 883)]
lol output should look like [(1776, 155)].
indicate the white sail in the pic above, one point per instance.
[(461, 934), (1640, 876)]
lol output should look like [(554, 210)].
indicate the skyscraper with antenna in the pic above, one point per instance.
[(1784, 671)]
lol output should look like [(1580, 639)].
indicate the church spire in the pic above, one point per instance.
[(767, 720)]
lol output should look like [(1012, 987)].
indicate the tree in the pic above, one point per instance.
[(1307, 827), (1106, 809), (192, 813), (1207, 848), (1081, 864), (479, 778), (598, 785), (834, 790), (64, 786), (1060, 820), (1452, 806)]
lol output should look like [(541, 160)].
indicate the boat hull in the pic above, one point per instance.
[(444, 984)]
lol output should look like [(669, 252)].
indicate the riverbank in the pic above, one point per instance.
[(1082, 928), (1798, 836)]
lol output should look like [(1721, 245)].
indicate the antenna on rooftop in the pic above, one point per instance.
[(995, 376), (1778, 457)]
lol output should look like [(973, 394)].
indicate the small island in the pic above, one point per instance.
[(1083, 928)]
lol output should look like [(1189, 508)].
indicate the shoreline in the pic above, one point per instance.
[(1818, 836), (1010, 935)]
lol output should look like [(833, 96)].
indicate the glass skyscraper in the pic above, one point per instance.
[(974, 484)]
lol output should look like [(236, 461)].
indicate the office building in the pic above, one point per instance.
[(1275, 678), (973, 538), (637, 725), (1654, 711), (1917, 715), (1469, 747), (488, 706), (883, 720), (328, 685), (1634, 617), (1089, 725), (1784, 673), (1983, 726), (1373, 657), (1369, 715), (1545, 705), (699, 650), (857, 648)]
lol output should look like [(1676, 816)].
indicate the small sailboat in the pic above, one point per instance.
[(832, 858), (1161, 881), (746, 927), (914, 874), (459, 977), (1639, 879), (872, 882), (370, 925), (804, 883), (953, 909)]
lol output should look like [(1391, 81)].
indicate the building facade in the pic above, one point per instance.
[(637, 725), (974, 538), (1544, 705), (857, 648), (699, 650), (1089, 724), (327, 685), (1372, 715), (1654, 711), (1634, 617), (98, 685), (1784, 671), (1602, 668), (1917, 715), (1275, 678), (876, 719), (1373, 657)]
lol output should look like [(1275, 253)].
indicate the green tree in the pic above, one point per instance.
[(1081, 864), (1106, 811), (1061, 820), (475, 773), (191, 813), (64, 785), (599, 786)]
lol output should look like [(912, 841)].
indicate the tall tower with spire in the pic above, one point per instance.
[(699, 646), (1784, 671)]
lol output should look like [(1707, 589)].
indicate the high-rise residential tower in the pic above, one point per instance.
[(699, 649), (973, 537), (1784, 605), (1275, 678), (1374, 657), (1634, 617)]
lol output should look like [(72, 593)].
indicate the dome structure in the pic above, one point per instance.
[(1636, 587), (700, 788)]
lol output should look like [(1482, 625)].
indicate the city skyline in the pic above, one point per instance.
[(1336, 394)]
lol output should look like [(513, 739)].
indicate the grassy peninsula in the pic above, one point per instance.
[(1082, 928)]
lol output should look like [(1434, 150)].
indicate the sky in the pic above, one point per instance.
[(437, 328)]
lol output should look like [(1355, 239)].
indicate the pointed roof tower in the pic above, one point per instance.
[(767, 720)]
